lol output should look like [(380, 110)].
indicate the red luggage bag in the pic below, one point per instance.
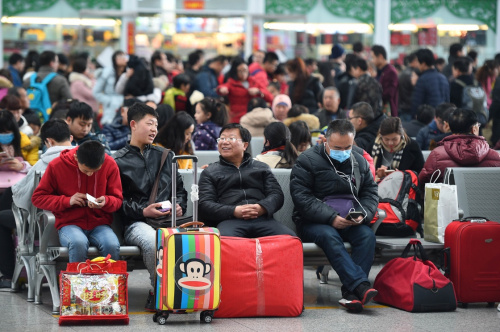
[(261, 277), (472, 248)]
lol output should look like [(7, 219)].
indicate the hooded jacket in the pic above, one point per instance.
[(23, 190), (62, 179), (81, 89), (458, 151), (257, 120)]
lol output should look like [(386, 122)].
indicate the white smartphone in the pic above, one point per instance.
[(92, 199)]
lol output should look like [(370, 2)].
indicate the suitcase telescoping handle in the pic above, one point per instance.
[(474, 219), (174, 187)]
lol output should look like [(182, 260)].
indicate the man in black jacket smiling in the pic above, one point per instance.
[(327, 182), (239, 195)]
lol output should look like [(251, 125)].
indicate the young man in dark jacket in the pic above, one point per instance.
[(118, 132), (240, 194), (365, 124), (462, 74), (325, 180), (139, 164)]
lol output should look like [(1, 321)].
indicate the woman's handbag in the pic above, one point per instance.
[(414, 283)]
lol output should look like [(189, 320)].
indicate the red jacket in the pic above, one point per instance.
[(458, 151), (63, 179), (239, 97), (259, 74), (389, 81)]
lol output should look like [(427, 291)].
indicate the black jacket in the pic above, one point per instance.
[(412, 158), (138, 173), (313, 178), (413, 127), (365, 138), (224, 186), (311, 94), (325, 117), (457, 89)]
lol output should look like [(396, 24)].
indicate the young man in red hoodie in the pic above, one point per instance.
[(76, 173)]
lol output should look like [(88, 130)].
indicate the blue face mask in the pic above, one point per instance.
[(6, 138), (340, 156)]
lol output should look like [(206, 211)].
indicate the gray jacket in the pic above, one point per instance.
[(58, 87)]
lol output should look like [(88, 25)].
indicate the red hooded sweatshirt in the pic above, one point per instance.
[(63, 179)]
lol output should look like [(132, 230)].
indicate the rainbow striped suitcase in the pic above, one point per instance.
[(187, 266)]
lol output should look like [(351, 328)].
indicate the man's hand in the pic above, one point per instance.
[(101, 202), (341, 223), (151, 211), (78, 199), (249, 211)]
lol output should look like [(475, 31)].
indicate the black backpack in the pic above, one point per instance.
[(474, 98)]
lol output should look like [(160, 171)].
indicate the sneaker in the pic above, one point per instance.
[(5, 284), (365, 292), (150, 302), (351, 301)]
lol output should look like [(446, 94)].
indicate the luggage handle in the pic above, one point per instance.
[(417, 248), (174, 186), (474, 219), (196, 224), (445, 260)]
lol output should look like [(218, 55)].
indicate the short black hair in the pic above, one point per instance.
[(357, 47), (219, 58), (426, 113), (360, 63), (56, 129), (341, 126), (409, 58), (80, 65), (194, 57), (455, 48), (462, 120), (32, 118), (440, 61), (91, 154), (63, 59), (297, 110), (379, 50), (443, 109), (364, 111), (47, 57), (181, 79), (462, 64), (310, 61), (472, 54), (424, 55), (271, 57), (246, 137), (15, 58), (256, 103), (78, 109), (138, 111)]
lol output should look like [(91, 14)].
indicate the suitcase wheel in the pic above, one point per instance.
[(162, 318), (464, 305), (206, 316)]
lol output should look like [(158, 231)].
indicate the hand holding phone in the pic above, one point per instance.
[(92, 199), (354, 215), (165, 206)]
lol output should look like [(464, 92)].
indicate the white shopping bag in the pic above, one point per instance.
[(440, 208)]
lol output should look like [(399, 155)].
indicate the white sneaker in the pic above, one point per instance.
[(498, 308)]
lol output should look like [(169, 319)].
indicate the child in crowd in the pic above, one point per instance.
[(176, 96), (80, 219), (210, 116)]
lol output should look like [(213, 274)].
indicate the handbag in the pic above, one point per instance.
[(414, 284), (94, 291), (440, 208), (10, 178), (164, 221)]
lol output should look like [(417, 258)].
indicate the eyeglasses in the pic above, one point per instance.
[(228, 139)]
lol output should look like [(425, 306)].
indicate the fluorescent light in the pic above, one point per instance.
[(319, 27), (460, 27), (403, 27), (62, 21)]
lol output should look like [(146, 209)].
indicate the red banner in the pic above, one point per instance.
[(194, 4), (130, 38)]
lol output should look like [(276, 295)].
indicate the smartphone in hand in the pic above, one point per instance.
[(92, 199), (352, 216)]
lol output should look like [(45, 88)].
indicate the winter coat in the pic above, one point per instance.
[(116, 133), (325, 117), (432, 88), (457, 89), (413, 127), (313, 178), (458, 151), (428, 134), (225, 186), (29, 148), (412, 158), (104, 93), (81, 89), (365, 138), (389, 81), (257, 120), (62, 179), (206, 82), (311, 120), (311, 94), (205, 136), (369, 91), (58, 87)]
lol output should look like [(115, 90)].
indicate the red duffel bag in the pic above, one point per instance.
[(414, 284), (261, 277)]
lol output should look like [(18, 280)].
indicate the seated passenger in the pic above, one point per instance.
[(210, 115), (327, 182), (362, 118), (330, 111), (278, 152), (301, 113), (118, 132), (240, 194), (139, 164), (64, 190), (429, 136), (258, 116), (79, 119), (300, 136), (425, 115), (464, 148), (394, 150)]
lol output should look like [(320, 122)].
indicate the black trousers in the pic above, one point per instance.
[(253, 228), (7, 251)]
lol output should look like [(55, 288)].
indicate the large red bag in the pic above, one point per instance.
[(472, 247), (414, 284), (261, 277)]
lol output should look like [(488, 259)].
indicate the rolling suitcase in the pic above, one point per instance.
[(472, 259), (187, 264)]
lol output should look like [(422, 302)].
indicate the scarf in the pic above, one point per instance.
[(377, 151)]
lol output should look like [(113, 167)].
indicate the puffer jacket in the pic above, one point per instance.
[(225, 186), (313, 178), (138, 173), (104, 92), (432, 88), (458, 151), (257, 120), (205, 136)]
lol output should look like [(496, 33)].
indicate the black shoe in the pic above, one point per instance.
[(5, 284), (150, 302), (365, 292), (350, 301)]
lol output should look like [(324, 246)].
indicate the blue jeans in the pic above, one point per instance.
[(78, 240), (353, 269), (144, 236)]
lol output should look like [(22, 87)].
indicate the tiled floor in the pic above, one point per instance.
[(322, 314)]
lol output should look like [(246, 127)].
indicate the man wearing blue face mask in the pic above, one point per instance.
[(329, 182)]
